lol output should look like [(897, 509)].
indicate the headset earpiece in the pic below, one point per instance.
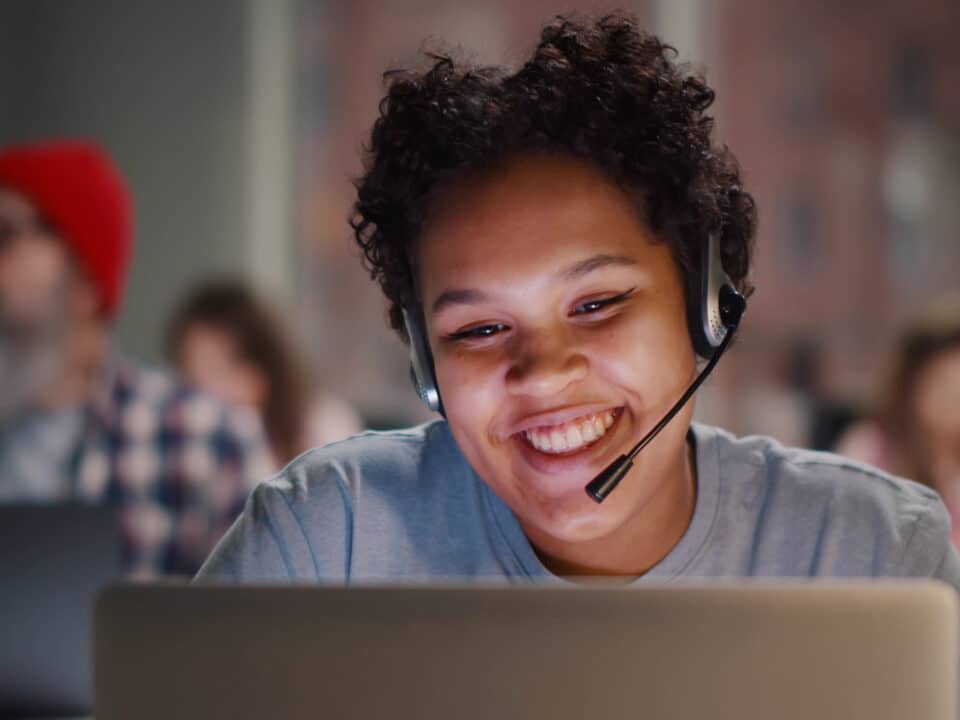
[(714, 307), (421, 360)]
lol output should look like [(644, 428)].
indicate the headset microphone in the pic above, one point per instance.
[(731, 307)]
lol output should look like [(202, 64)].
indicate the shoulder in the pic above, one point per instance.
[(372, 505), (354, 497), (902, 523), (372, 462)]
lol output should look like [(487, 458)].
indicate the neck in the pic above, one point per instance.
[(83, 353), (638, 545)]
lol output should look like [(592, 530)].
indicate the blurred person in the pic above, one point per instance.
[(224, 339), (78, 422), (914, 429), (567, 253)]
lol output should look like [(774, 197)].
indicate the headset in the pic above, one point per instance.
[(714, 309), (422, 373)]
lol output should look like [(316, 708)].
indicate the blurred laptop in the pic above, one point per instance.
[(844, 652), (53, 560)]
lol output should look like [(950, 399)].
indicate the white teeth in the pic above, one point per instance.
[(558, 441), (589, 432), (572, 435)]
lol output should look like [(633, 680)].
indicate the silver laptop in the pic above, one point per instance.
[(880, 651), (53, 560)]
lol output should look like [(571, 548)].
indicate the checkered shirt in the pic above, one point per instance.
[(177, 465)]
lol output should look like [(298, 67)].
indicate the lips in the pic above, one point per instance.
[(537, 440), (572, 435)]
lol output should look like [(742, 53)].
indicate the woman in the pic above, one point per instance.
[(915, 428), (224, 339), (559, 244)]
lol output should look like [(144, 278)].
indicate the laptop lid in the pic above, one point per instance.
[(846, 651), (53, 560)]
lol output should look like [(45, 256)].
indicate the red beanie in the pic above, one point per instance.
[(76, 187)]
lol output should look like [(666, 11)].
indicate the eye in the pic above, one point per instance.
[(478, 333), (593, 306)]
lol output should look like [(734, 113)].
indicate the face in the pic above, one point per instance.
[(34, 265), (208, 359), (37, 282), (937, 409), (558, 328)]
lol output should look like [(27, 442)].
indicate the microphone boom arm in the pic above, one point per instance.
[(603, 484)]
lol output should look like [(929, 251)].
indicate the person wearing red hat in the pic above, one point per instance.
[(78, 421)]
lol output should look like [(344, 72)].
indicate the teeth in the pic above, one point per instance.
[(589, 432), (558, 440), (599, 427), (572, 435)]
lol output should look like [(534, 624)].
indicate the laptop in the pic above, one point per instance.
[(878, 651), (53, 560)]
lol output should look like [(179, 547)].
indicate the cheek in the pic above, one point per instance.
[(473, 398), (937, 399), (202, 370), (249, 386), (471, 389), (236, 385), (651, 358), (206, 365), (30, 274)]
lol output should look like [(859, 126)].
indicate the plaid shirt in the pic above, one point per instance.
[(177, 465)]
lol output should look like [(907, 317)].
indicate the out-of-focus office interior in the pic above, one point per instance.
[(240, 126)]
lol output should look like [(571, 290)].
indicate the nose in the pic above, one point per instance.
[(545, 364)]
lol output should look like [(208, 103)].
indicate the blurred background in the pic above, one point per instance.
[(240, 125)]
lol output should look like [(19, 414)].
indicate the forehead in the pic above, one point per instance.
[(534, 214)]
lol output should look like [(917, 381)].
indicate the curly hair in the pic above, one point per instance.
[(600, 90)]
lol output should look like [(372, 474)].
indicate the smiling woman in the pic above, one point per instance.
[(556, 244), (561, 315)]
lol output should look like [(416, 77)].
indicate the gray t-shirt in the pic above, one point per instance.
[(406, 506)]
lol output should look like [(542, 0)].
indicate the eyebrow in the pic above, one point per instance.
[(596, 262), (458, 297), (471, 296)]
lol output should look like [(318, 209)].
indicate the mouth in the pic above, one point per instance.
[(572, 436)]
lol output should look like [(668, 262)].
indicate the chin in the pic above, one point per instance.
[(576, 520)]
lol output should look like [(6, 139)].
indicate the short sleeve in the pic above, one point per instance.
[(929, 551), (265, 544)]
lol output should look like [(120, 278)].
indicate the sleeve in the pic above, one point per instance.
[(266, 543), (929, 551)]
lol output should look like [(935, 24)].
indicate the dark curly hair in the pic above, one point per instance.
[(601, 90)]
